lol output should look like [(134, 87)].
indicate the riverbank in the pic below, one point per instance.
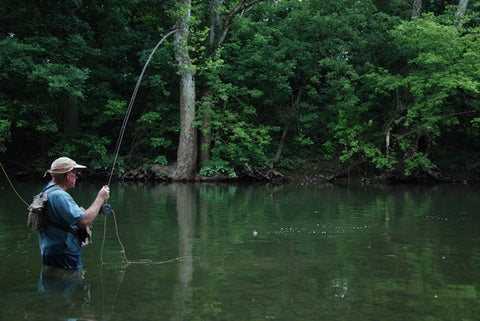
[(329, 172), (313, 173), (304, 173)]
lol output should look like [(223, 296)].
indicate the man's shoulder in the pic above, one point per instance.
[(57, 193), (54, 190)]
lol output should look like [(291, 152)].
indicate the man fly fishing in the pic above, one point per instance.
[(61, 241)]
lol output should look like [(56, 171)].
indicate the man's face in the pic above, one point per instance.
[(72, 177)]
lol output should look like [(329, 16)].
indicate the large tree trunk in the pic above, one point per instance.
[(460, 13), (214, 19), (416, 9), (462, 7), (187, 146)]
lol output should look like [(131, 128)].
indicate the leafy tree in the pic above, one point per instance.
[(4, 130), (76, 59), (436, 100), (300, 61)]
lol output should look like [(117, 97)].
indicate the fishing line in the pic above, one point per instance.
[(107, 209), (142, 261), (122, 276), (11, 185)]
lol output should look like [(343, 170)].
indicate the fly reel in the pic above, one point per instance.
[(106, 209)]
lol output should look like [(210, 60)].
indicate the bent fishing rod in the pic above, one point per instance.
[(130, 105), (107, 208)]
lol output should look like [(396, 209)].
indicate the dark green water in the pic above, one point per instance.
[(321, 253)]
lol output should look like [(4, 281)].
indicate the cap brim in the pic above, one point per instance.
[(66, 170)]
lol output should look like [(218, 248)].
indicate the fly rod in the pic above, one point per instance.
[(107, 208), (130, 105)]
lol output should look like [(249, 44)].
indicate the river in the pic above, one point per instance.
[(254, 252)]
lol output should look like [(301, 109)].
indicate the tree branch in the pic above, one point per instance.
[(240, 8)]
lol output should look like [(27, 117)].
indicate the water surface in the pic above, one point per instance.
[(320, 253)]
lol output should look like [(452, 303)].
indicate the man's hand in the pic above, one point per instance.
[(104, 193), (92, 212)]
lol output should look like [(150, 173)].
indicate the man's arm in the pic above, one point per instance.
[(92, 212)]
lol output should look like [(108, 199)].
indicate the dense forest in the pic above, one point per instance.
[(378, 89)]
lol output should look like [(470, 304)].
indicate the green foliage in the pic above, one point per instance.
[(162, 160), (243, 144), (114, 110), (153, 140), (217, 169), (64, 82), (352, 81), (418, 161), (4, 130), (437, 95), (476, 123), (89, 149)]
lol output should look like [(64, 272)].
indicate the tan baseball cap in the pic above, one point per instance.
[(63, 165)]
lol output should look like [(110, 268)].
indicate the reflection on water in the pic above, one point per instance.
[(186, 213), (61, 295), (319, 253)]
